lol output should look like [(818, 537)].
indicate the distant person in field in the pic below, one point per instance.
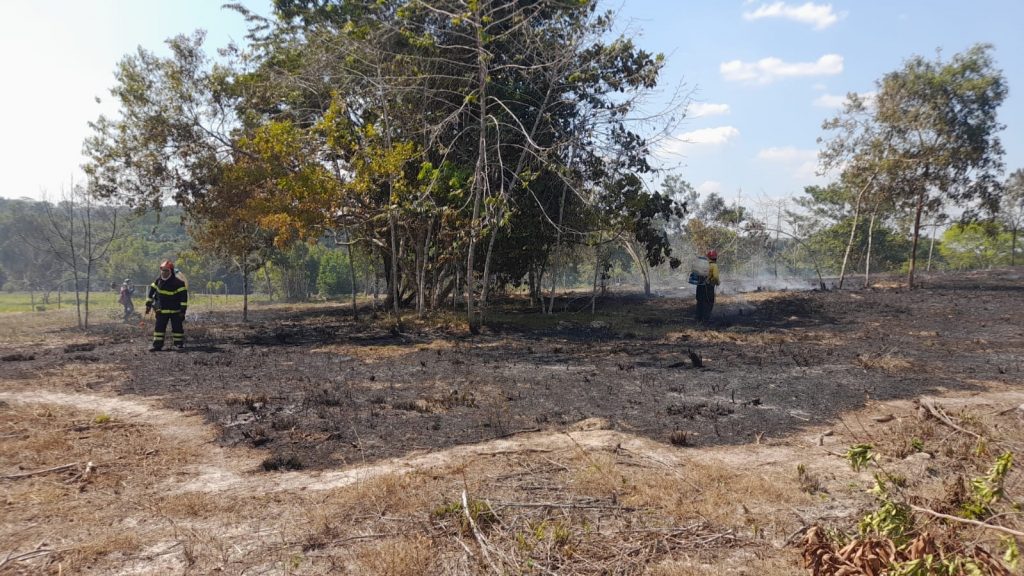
[(124, 297), (706, 288), (168, 296)]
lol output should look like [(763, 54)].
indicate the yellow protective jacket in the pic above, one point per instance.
[(168, 296), (713, 274)]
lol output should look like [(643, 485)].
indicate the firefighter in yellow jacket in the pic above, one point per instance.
[(168, 296), (706, 288)]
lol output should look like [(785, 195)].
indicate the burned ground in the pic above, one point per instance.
[(320, 390), (626, 442)]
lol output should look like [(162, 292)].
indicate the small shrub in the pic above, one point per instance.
[(283, 463)]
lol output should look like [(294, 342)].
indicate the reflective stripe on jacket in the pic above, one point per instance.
[(168, 296)]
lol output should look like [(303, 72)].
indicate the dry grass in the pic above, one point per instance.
[(571, 511), (886, 361)]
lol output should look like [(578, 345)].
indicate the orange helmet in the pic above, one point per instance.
[(712, 255), (167, 265)]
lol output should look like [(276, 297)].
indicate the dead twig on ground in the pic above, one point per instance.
[(566, 506), (38, 472), (937, 412), (977, 523), (26, 556), (476, 533)]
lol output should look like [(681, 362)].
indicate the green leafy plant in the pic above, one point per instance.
[(1012, 554), (933, 566), (859, 455), (892, 519), (988, 489)]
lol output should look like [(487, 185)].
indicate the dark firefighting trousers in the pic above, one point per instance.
[(177, 329)]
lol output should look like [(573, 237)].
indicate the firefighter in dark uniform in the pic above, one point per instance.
[(706, 288), (168, 296)]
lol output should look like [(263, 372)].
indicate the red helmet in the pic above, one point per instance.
[(167, 265), (712, 255)]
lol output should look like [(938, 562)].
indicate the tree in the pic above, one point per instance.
[(333, 278), (975, 245), (173, 133), (78, 232), (460, 141), (1012, 209), (941, 120), (928, 139), (26, 257)]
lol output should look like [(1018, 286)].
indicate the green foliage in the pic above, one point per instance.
[(859, 455), (480, 511), (988, 489), (976, 245), (931, 565), (891, 519), (1012, 554), (334, 277)]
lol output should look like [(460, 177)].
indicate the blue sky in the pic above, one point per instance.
[(767, 74), (764, 75)]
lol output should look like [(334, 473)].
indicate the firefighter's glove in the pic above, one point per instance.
[(182, 315), (149, 307)]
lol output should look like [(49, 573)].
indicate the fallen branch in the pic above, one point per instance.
[(37, 472), (26, 556), (938, 413), (569, 506), (476, 533), (995, 527)]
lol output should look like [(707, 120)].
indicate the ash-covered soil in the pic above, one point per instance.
[(317, 389)]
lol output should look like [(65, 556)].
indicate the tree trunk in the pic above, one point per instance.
[(351, 274), (270, 285), (479, 175), (1013, 247), (917, 235), (931, 249), (597, 272), (867, 259), (245, 292), (853, 236), (395, 289), (88, 282), (645, 270), (486, 286)]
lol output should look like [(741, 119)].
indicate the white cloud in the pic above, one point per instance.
[(709, 186), (701, 109), (837, 101), (820, 16), (767, 70), (829, 101), (680, 144), (786, 154), (802, 163), (712, 136)]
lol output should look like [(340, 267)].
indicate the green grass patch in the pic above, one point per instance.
[(105, 303)]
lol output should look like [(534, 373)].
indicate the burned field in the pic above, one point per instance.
[(318, 390), (628, 442)]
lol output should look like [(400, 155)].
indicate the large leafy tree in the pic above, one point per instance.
[(435, 132), (469, 128), (928, 140)]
